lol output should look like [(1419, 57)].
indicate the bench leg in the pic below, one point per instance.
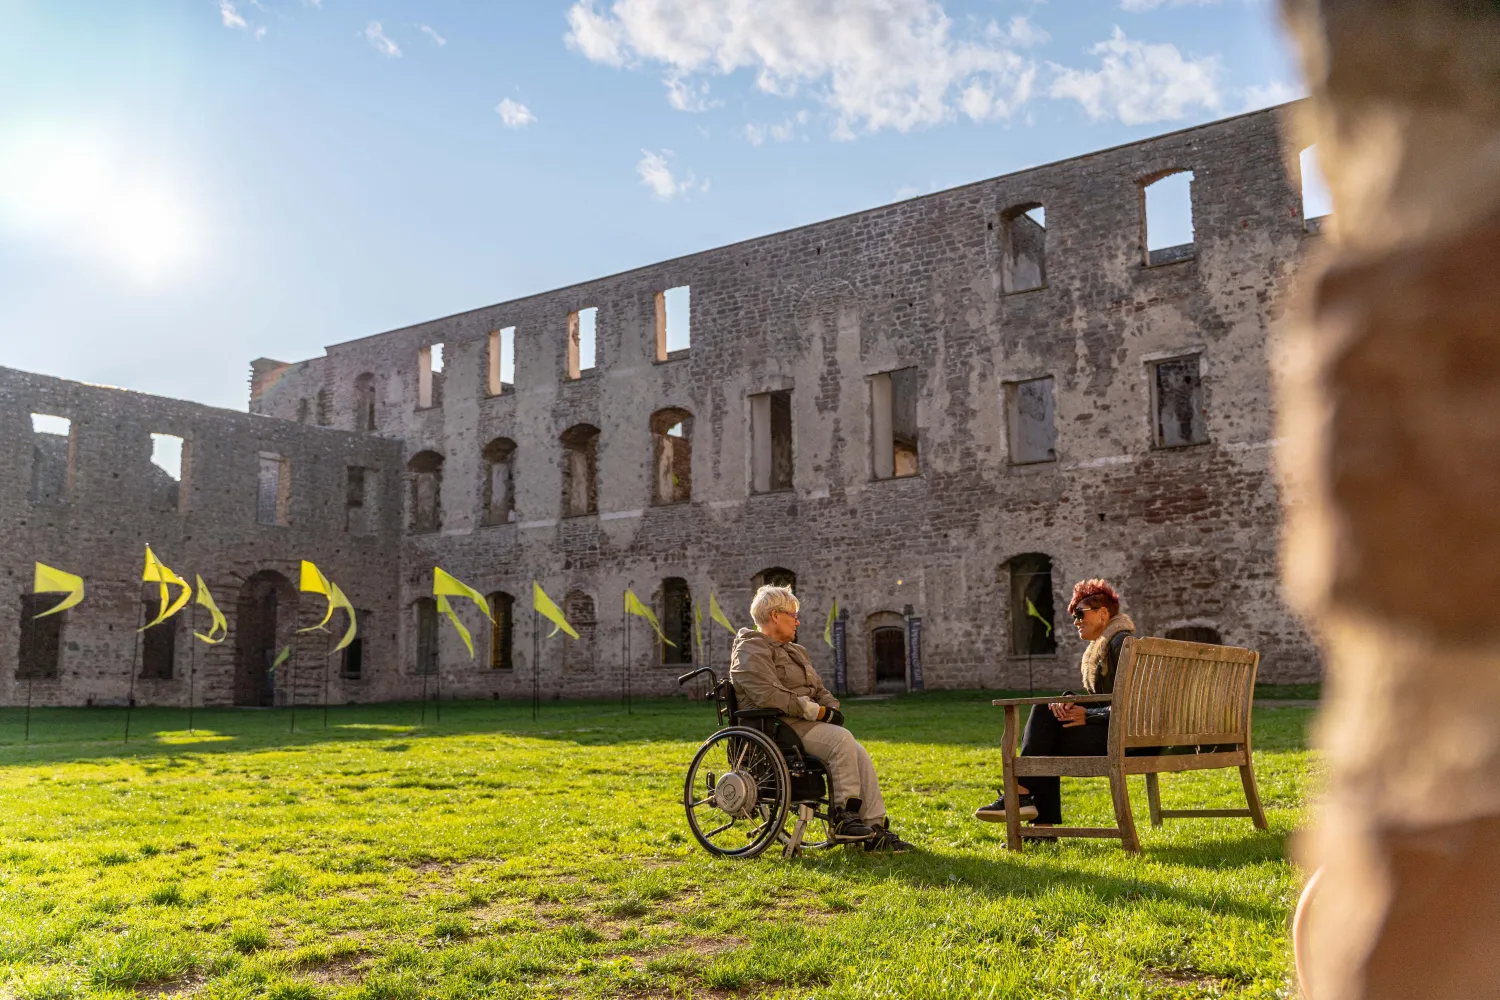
[(1153, 797), (1252, 794), (1119, 791), (1013, 839)]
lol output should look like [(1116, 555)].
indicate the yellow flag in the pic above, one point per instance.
[(281, 657), (337, 599), (218, 625), (698, 626), (55, 581), (314, 582), (634, 606), (463, 633), (1032, 612), (717, 613), (444, 585), (833, 613), (157, 572), (543, 605)]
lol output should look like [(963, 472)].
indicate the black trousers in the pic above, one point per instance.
[(1046, 737)]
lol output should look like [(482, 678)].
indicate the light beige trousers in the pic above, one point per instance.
[(850, 769)]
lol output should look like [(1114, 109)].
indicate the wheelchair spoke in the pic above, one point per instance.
[(718, 830), (702, 802)]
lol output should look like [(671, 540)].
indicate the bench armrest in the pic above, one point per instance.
[(1073, 699)]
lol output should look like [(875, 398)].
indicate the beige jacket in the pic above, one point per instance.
[(769, 674)]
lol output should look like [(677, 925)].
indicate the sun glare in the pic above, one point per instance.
[(86, 196)]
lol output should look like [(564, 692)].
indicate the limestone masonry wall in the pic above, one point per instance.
[(1189, 533)]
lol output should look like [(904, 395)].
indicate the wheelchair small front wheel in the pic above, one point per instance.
[(737, 793)]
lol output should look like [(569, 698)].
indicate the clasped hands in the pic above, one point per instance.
[(1068, 714), (813, 712)]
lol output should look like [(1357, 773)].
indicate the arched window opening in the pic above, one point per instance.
[(1196, 633), (886, 634), (580, 462), (364, 402), (677, 620), (1033, 624), (578, 607), (672, 444), (425, 610), (1167, 217), (1317, 200), (426, 474), (502, 631), (1023, 250), (499, 506), (775, 576)]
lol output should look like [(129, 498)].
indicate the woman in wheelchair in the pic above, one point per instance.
[(771, 671)]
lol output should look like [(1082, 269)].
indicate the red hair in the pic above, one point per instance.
[(1097, 592)]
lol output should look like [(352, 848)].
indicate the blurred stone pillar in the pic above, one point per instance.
[(1389, 404)]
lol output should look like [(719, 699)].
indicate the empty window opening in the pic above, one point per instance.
[(1317, 200), (364, 402), (40, 653), (166, 457), (1196, 633), (677, 620), (673, 318), (1177, 399), (1033, 626), (672, 443), (502, 631), (430, 376), (1168, 218), (352, 664), (580, 464), (582, 338), (501, 371), (273, 493), (158, 643), (775, 576), (1031, 420), (893, 422), (425, 609), (357, 507), (499, 500), (302, 410), (578, 608), (51, 448), (1023, 252), (426, 497), (771, 441)]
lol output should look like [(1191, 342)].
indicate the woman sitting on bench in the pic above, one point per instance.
[(1064, 730)]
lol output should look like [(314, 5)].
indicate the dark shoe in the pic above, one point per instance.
[(886, 841), (995, 811), (844, 824)]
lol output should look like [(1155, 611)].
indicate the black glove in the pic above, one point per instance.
[(835, 717)]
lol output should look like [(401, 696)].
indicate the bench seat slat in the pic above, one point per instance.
[(1071, 831), (1182, 762), (1066, 767)]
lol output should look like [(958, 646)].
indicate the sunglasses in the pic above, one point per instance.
[(1078, 613)]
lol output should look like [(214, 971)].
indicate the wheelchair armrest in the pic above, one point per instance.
[(757, 713)]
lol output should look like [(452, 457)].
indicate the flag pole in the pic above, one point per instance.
[(192, 666), (625, 673), (30, 627), (291, 681), (438, 702), (135, 649), (327, 654), (424, 691), (536, 655)]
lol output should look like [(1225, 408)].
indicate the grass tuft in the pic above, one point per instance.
[(248, 939)]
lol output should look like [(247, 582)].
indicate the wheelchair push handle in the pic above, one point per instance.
[(694, 673)]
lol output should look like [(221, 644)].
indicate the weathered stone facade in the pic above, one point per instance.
[(1188, 532)]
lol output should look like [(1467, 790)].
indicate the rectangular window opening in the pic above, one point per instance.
[(1031, 419), (273, 494), (502, 632), (583, 328), (356, 507), (427, 635), (166, 456), (1317, 200), (158, 643), (677, 621), (673, 321), (352, 666), (1023, 258), (502, 361), (1177, 401), (51, 457), (771, 441), (39, 655), (1168, 208), (430, 376), (893, 424), (1033, 629)]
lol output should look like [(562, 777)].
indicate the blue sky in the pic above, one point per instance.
[(188, 184)]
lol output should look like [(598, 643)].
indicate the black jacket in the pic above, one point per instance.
[(1098, 715)]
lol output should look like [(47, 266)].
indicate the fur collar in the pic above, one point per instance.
[(1096, 657)]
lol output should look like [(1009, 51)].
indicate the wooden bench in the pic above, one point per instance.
[(1167, 693)]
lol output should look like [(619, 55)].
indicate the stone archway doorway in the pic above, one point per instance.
[(264, 600)]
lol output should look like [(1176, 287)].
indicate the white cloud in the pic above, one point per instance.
[(514, 114), (1140, 6), (1026, 34), (1259, 95), (231, 17), (657, 175), (685, 95), (430, 32), (375, 35), (787, 130), (260, 32), (1138, 82), (875, 64)]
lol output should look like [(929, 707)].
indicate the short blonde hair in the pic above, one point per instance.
[(769, 600)]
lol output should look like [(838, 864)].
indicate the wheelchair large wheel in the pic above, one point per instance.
[(737, 793)]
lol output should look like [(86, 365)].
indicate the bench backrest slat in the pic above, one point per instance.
[(1170, 692)]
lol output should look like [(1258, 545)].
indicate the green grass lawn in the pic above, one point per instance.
[(492, 856)]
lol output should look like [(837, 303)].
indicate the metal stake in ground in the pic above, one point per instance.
[(327, 654), (536, 655), (291, 680), (193, 668), (625, 669), (135, 650)]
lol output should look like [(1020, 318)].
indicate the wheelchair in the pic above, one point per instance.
[(749, 777)]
